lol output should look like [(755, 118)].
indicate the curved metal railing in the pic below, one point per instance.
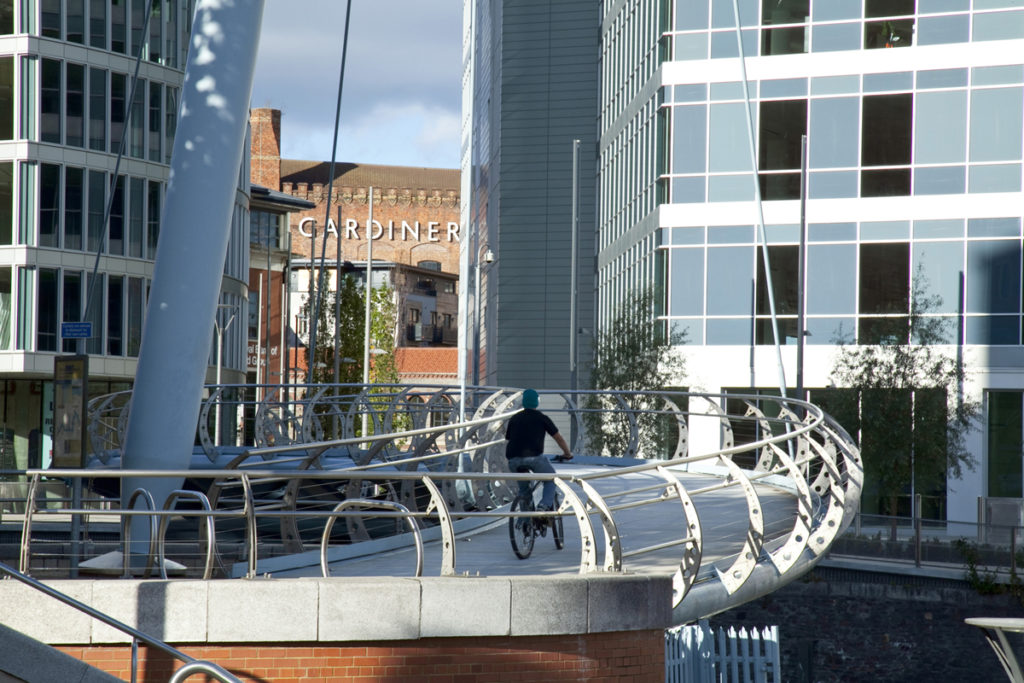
[(420, 464)]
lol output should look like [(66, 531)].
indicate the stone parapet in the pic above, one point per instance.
[(238, 611)]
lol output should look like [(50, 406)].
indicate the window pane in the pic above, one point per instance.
[(27, 203), (98, 23), (943, 180), (49, 101), (783, 262), (730, 280), (155, 114), (689, 135), (6, 98), (887, 34), (74, 181), (943, 30), (832, 185), (98, 109), (786, 40), (993, 276), (885, 183), (834, 132), (76, 21), (72, 305), (118, 99), (153, 228), (831, 267), (996, 178), (49, 206), (138, 122), (996, 330), (138, 8), (115, 242), (155, 25), (97, 201), (729, 331), (722, 15), (729, 151), (835, 37), (135, 217), (6, 202), (46, 311), (118, 35), (136, 305), (115, 316), (75, 105), (999, 26), (781, 125), (6, 308), (884, 278), (886, 126), (830, 10), (1005, 444), (6, 29), (824, 331), (686, 285), (49, 15), (941, 128), (171, 112), (938, 269), (95, 287), (995, 124)]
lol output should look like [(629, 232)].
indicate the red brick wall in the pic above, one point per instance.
[(265, 159), (628, 656)]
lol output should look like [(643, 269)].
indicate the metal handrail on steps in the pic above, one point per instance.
[(191, 664)]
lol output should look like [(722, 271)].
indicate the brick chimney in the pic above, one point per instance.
[(265, 167)]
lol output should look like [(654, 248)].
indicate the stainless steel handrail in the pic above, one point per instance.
[(194, 665)]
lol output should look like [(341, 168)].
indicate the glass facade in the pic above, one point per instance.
[(913, 118), (72, 107)]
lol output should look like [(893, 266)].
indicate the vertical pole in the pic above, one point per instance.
[(270, 308), (337, 297), (260, 378), (195, 229), (311, 308), (369, 290), (801, 266), (573, 322), (476, 323), (917, 529)]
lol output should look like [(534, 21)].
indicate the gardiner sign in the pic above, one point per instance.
[(431, 231)]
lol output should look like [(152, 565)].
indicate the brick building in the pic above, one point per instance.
[(415, 237)]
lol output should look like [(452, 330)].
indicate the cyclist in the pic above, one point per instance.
[(525, 447)]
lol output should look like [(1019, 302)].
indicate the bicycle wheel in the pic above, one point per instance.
[(520, 529), (556, 527)]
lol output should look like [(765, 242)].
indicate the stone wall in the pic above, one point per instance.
[(838, 625)]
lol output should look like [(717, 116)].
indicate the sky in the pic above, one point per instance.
[(401, 95)]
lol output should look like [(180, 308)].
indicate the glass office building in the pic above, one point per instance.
[(66, 104), (913, 115)]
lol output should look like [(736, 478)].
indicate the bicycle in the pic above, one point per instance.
[(522, 531)]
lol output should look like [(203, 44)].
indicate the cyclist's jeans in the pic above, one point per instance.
[(537, 463)]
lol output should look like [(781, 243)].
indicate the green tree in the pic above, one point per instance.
[(633, 354), (904, 396), (349, 343)]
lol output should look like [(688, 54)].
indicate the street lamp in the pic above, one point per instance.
[(220, 348)]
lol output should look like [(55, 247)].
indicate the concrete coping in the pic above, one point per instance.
[(341, 609)]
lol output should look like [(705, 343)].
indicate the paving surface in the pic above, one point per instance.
[(488, 552)]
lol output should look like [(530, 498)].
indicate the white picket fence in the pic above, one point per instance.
[(696, 654)]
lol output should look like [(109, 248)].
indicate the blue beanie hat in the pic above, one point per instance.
[(530, 399)]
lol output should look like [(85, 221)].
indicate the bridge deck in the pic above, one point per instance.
[(488, 552)]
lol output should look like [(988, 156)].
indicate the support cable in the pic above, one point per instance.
[(318, 292), (760, 207)]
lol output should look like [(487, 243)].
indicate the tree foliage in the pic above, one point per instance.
[(905, 397), (633, 354)]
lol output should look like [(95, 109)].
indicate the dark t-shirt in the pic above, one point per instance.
[(525, 433)]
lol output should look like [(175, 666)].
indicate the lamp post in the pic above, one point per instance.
[(220, 347), (369, 290), (488, 259)]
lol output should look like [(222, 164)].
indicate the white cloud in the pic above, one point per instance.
[(401, 94), (388, 133)]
